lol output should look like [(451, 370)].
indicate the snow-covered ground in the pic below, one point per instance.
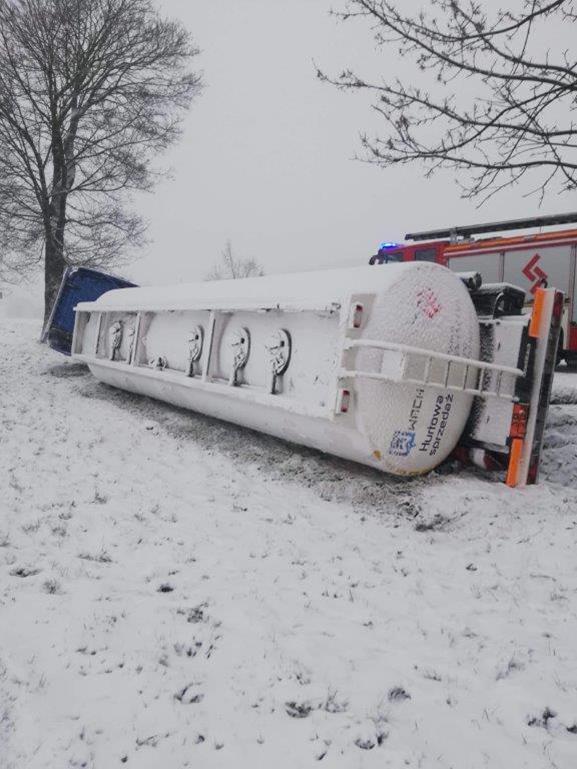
[(179, 592)]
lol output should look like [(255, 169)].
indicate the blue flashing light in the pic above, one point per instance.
[(386, 244)]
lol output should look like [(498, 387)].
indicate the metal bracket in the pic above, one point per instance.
[(195, 342), (240, 343), (160, 363), (279, 349), (115, 338)]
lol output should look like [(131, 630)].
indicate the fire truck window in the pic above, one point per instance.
[(425, 254), (394, 256)]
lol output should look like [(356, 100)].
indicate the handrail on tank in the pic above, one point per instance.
[(478, 392), (468, 363), (397, 347)]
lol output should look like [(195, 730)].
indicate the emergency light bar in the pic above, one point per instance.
[(479, 229)]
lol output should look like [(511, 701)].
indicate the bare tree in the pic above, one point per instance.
[(492, 100), (91, 91), (231, 266)]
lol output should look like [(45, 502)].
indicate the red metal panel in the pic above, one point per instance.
[(513, 244), (572, 342), (507, 249)]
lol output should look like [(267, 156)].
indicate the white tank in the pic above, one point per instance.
[(301, 356)]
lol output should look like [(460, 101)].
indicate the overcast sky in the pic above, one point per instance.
[(267, 155)]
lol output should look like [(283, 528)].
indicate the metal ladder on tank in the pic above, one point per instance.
[(442, 371)]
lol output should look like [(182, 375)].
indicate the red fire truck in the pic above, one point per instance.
[(529, 261)]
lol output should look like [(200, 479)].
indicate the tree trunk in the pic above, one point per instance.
[(54, 266), (54, 226)]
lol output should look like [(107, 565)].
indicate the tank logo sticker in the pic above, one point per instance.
[(428, 303), (438, 424), (416, 408), (402, 443)]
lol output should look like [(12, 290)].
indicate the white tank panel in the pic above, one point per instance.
[(398, 426)]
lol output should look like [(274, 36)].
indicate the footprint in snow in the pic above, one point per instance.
[(24, 571), (298, 710)]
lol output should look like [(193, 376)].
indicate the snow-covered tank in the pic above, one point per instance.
[(373, 365)]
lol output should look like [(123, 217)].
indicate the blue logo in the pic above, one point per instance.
[(402, 444)]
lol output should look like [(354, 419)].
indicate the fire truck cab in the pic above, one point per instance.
[(529, 261)]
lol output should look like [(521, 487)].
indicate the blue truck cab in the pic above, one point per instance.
[(79, 284)]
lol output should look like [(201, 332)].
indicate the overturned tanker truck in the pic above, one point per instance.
[(397, 367)]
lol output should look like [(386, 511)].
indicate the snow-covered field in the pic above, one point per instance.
[(179, 592)]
